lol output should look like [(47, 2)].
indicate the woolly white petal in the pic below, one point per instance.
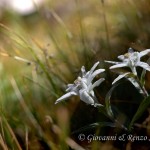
[(94, 74), (93, 68), (145, 52), (136, 85), (83, 71), (97, 83), (64, 97), (70, 87), (144, 65), (120, 77), (87, 74), (85, 97), (112, 62), (121, 57), (119, 65), (92, 93)]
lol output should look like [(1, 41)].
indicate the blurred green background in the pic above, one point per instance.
[(43, 50)]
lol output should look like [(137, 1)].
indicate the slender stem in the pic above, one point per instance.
[(117, 122), (104, 111), (121, 125), (145, 93)]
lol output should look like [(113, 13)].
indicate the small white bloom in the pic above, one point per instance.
[(131, 60), (83, 86)]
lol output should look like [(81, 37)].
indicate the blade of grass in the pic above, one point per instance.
[(2, 143), (82, 32), (61, 22), (30, 115), (26, 138), (106, 25), (37, 60), (2, 129), (73, 144), (69, 141), (143, 106), (24, 106), (12, 134), (108, 97)]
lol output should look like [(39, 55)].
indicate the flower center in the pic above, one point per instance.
[(132, 58), (78, 81)]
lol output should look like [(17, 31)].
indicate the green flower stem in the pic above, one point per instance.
[(117, 123), (111, 117), (145, 93)]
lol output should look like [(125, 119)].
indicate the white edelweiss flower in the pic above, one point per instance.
[(83, 86), (131, 60)]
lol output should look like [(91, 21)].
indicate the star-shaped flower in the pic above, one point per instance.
[(83, 86), (131, 60)]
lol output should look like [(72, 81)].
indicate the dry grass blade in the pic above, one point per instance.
[(70, 142), (30, 116), (61, 22), (13, 135), (16, 57), (106, 26), (25, 107), (73, 144), (2, 128), (2, 143), (26, 139)]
